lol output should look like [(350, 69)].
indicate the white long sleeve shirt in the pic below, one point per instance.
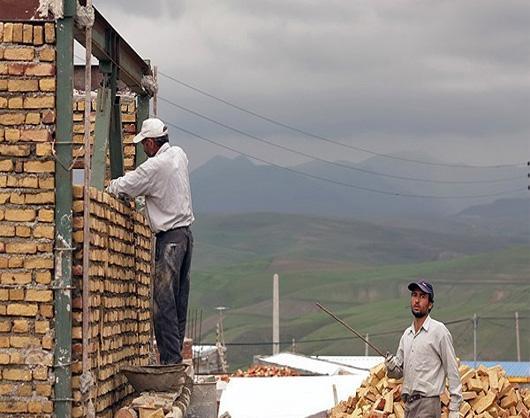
[(427, 357), (164, 181)]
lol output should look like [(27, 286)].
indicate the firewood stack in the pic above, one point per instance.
[(487, 393)]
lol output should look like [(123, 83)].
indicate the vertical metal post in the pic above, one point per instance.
[(366, 347), (517, 340), (142, 113), (475, 326), (275, 315), (63, 212), (101, 137)]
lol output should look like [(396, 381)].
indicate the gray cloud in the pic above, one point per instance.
[(447, 77)]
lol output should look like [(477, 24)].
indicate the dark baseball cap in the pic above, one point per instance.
[(423, 286)]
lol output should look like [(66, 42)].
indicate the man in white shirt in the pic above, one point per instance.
[(163, 180), (425, 358)]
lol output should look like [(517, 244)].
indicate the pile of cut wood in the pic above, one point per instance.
[(261, 371), (487, 393)]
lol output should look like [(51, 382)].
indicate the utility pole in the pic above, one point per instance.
[(275, 315), (475, 325), (517, 341)]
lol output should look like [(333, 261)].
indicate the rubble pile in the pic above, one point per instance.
[(487, 393)]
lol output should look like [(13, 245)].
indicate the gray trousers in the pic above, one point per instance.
[(171, 288), (424, 408)]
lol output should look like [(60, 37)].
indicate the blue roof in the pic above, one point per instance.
[(512, 368)]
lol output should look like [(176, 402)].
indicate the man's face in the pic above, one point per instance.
[(150, 147), (419, 303)]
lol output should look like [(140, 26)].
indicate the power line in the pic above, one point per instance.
[(334, 163), (323, 138), (339, 183)]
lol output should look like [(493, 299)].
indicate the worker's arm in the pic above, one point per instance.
[(450, 366), (134, 183), (394, 363)]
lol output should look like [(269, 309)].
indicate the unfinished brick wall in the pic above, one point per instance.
[(120, 257), (27, 199)]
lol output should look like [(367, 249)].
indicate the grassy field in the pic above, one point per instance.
[(360, 271)]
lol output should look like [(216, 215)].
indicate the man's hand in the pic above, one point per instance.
[(391, 362), (454, 414)]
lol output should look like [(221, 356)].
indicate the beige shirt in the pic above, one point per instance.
[(164, 181), (427, 358)]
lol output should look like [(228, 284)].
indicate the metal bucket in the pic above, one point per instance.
[(164, 378)]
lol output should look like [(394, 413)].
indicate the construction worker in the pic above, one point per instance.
[(425, 358), (163, 180)]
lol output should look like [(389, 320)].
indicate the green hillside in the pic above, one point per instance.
[(359, 270)]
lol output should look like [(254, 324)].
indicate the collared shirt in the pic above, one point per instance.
[(163, 180), (427, 357)]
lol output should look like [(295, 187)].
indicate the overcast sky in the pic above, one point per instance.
[(448, 79)]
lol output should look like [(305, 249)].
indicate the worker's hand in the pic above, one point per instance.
[(454, 414), (391, 362)]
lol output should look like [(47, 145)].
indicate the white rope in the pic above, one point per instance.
[(84, 16), (53, 6), (150, 85)]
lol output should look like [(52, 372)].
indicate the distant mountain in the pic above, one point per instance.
[(224, 185)]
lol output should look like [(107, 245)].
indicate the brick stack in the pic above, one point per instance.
[(27, 117), (120, 305)]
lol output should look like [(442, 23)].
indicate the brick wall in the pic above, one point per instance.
[(27, 117), (120, 257)]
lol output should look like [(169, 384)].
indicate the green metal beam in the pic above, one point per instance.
[(101, 137), (63, 212), (142, 113), (115, 141)]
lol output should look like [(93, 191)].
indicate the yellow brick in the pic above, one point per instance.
[(15, 150), (13, 407), (19, 54), (3, 68), (35, 407), (47, 84), (6, 165), (20, 326), (4, 198), (24, 390), (20, 215), (44, 231), (27, 34), (7, 230), (17, 198), (47, 341), (23, 342), (37, 135), (16, 374), (38, 263), (17, 309), (16, 294), (23, 231), (37, 295), (16, 358), (47, 183), (38, 35), (15, 103), (15, 278), (41, 70), (46, 215), (43, 150), (43, 389), (12, 118), (4, 295), (17, 32), (39, 166), (45, 247), (4, 358), (47, 54), (16, 262), (40, 373), (21, 248), (42, 327), (43, 277), (3, 100), (15, 85), (49, 33), (8, 32), (32, 118), (39, 102), (12, 135), (77, 236), (3, 263), (40, 198), (29, 182), (4, 341)]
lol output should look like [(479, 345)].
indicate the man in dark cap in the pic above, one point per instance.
[(425, 358)]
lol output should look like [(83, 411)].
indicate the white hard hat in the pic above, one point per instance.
[(151, 128)]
